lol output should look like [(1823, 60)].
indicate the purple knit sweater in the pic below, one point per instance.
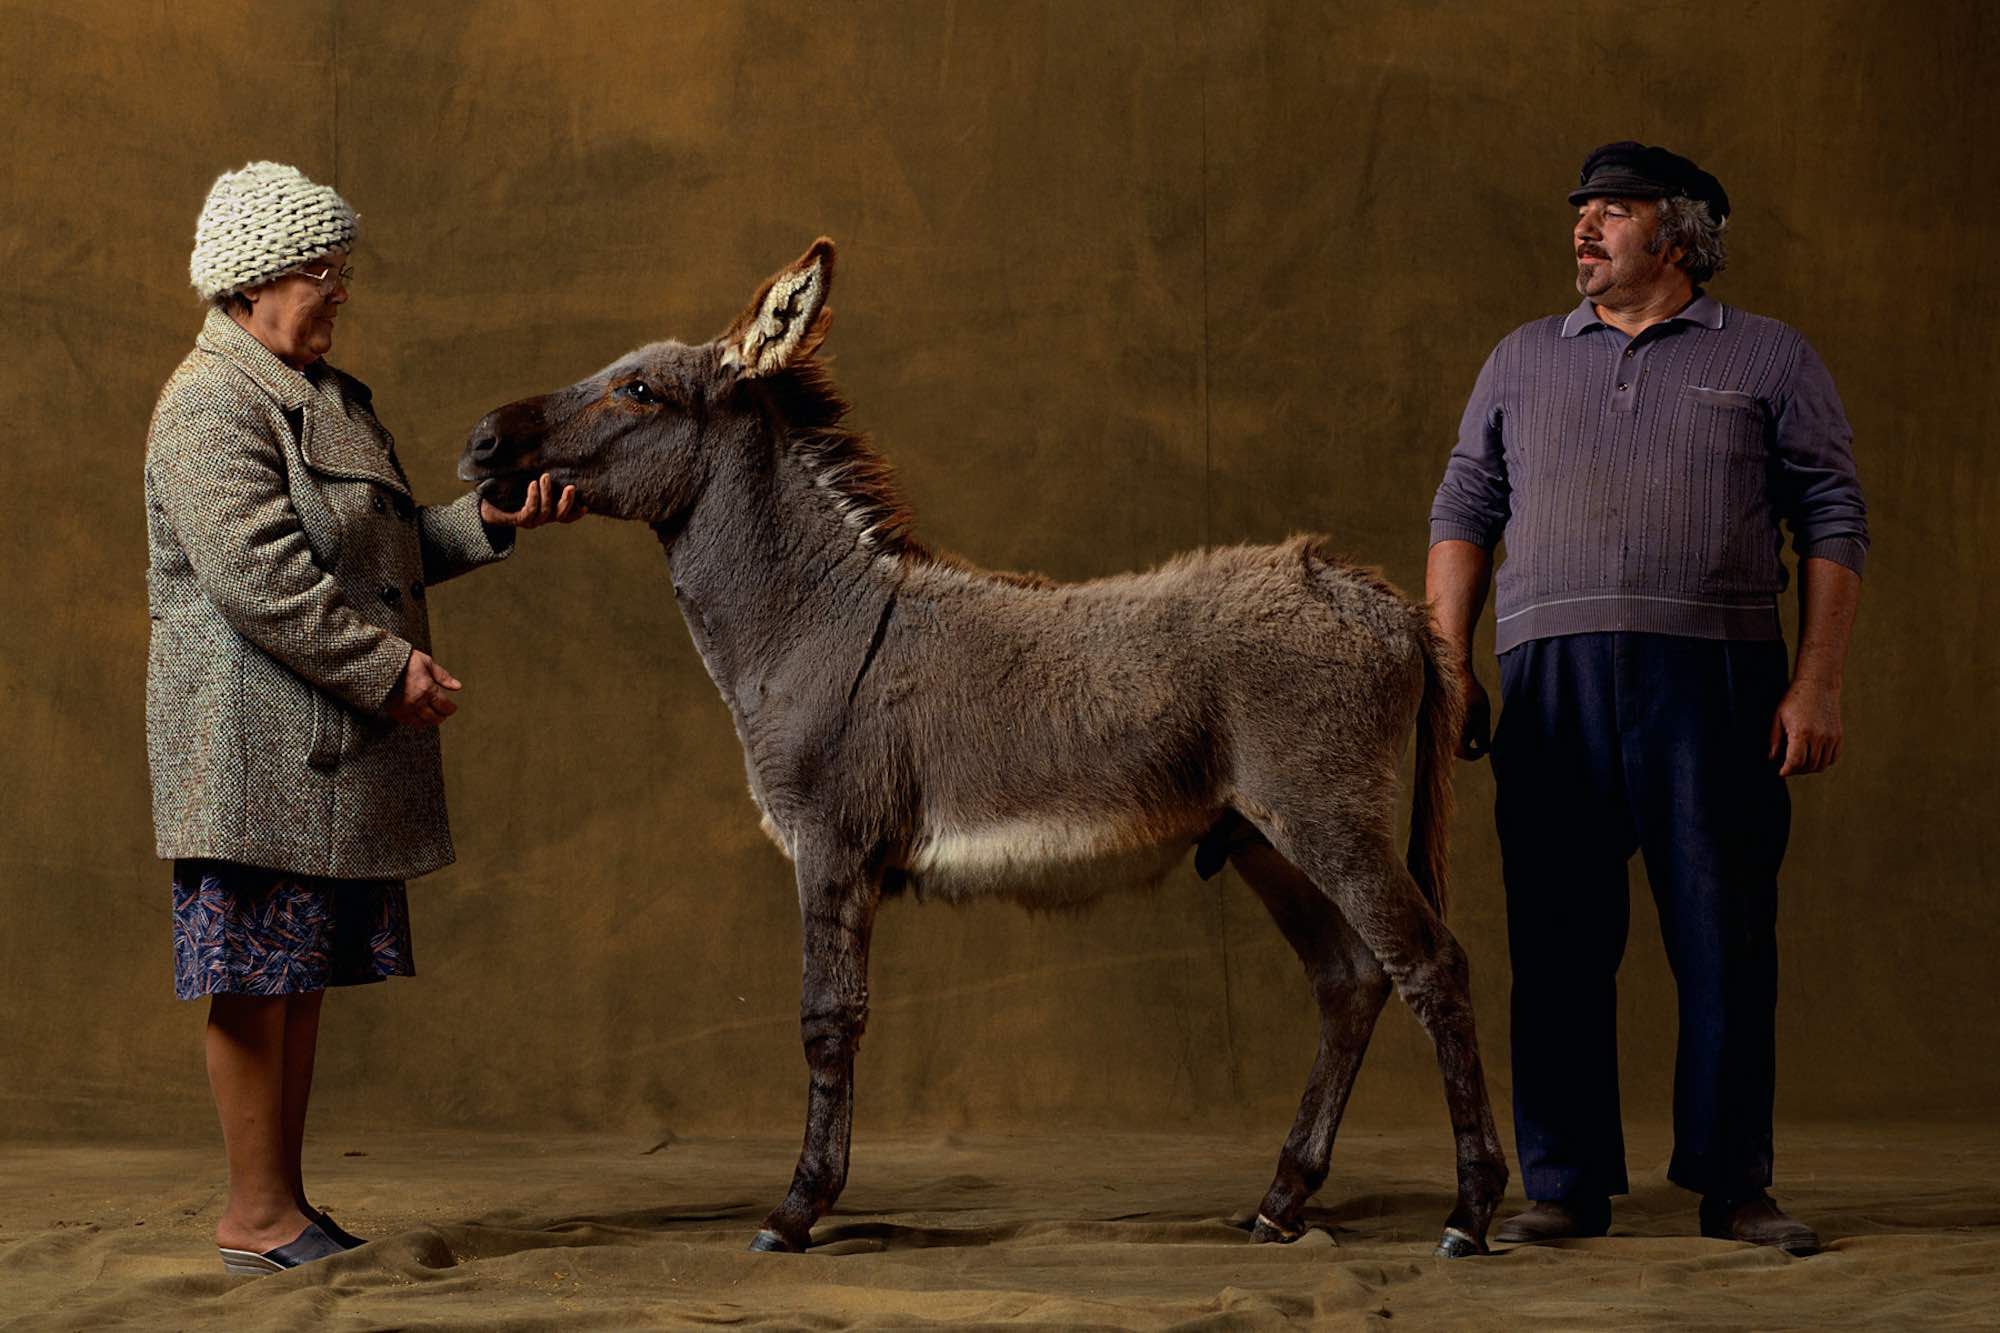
[(1639, 482)]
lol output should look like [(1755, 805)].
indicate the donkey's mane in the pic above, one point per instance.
[(845, 465), (839, 461)]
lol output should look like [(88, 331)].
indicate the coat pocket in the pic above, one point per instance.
[(286, 722), (328, 733)]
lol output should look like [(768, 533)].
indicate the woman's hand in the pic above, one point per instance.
[(420, 699), (539, 506)]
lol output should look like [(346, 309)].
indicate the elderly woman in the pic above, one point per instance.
[(292, 703)]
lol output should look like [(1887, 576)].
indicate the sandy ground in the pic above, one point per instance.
[(1105, 1231)]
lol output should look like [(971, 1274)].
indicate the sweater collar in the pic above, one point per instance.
[(1704, 310)]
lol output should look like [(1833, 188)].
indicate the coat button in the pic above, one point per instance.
[(417, 590), (391, 594), (380, 508)]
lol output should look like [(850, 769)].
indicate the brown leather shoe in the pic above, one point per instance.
[(1556, 1219), (1756, 1220)]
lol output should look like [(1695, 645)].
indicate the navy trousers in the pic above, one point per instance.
[(1607, 744)]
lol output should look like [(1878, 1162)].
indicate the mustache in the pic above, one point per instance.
[(1591, 251)]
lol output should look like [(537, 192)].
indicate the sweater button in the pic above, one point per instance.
[(1621, 385)]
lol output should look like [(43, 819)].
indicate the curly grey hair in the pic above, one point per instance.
[(1686, 223)]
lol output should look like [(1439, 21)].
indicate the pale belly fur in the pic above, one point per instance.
[(1046, 863), (1041, 862)]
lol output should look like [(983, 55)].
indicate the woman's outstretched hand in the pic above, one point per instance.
[(540, 506), (420, 699)]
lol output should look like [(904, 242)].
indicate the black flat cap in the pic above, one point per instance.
[(1638, 171)]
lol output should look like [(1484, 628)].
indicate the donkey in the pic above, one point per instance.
[(911, 722)]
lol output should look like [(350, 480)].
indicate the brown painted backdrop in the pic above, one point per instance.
[(1116, 279)]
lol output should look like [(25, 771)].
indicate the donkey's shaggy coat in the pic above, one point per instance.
[(911, 721)]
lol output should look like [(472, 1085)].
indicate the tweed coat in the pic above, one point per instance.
[(287, 580)]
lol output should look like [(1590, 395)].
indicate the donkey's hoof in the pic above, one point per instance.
[(1268, 1232), (770, 1242), (1457, 1245)]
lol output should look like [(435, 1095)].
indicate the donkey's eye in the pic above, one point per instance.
[(639, 392)]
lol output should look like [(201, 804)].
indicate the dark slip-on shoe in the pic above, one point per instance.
[(340, 1235), (312, 1243), (1756, 1220), (1556, 1219)]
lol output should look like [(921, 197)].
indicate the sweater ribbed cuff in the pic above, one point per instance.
[(1457, 530), (1841, 550)]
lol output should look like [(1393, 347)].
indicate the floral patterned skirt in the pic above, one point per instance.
[(241, 930)]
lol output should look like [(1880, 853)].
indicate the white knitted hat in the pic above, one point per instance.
[(260, 222)]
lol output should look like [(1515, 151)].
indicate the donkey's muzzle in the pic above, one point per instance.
[(505, 440)]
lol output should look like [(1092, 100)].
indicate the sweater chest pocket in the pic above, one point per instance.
[(1728, 429)]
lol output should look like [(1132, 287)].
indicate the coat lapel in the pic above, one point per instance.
[(225, 337), (333, 443), (336, 444)]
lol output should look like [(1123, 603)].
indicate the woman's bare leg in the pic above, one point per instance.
[(301, 1045), (246, 1069)]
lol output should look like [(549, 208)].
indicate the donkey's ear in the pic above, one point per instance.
[(787, 320)]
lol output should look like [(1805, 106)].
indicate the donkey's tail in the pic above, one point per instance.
[(1439, 719)]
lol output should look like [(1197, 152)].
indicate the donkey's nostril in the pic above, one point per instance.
[(505, 438)]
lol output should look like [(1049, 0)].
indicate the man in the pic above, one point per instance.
[(1638, 455)]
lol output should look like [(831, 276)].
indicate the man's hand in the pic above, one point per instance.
[(1474, 738), (1456, 576), (1806, 729), (539, 506), (420, 699)]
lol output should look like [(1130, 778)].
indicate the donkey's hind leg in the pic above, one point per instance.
[(1378, 897), (1350, 987)]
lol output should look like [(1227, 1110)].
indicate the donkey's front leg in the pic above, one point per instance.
[(837, 899)]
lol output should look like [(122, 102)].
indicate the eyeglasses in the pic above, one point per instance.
[(327, 277)]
